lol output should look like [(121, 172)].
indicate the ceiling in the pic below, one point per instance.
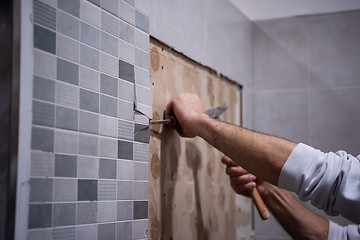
[(269, 9)]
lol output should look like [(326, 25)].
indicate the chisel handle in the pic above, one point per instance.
[(259, 203)]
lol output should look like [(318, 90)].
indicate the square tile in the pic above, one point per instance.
[(109, 85), (39, 215), (42, 164), (127, 12), (141, 171), (125, 170), (44, 89), (86, 232), (90, 13), (44, 15), (66, 118), (141, 152), (111, 6), (142, 58), (126, 71), (67, 72), (106, 212), (65, 20), (89, 122), (140, 209), (41, 189), (64, 214), (108, 147), (124, 230), (141, 119), (66, 142), (109, 64), (89, 79), (90, 35), (126, 51), (44, 39), (125, 150), (109, 23), (67, 48), (126, 110), (139, 229), (142, 133), (125, 190), (39, 234), (88, 145), (125, 130), (143, 95), (142, 77), (70, 6), (106, 190), (108, 106), (59, 233), (142, 40), (124, 210), (86, 212), (126, 32), (142, 21), (44, 64), (89, 57), (88, 167), (109, 44), (126, 90), (87, 190), (107, 168), (43, 114), (141, 190), (145, 109), (65, 165), (108, 126), (66, 95), (89, 101), (42, 139), (106, 231), (65, 190)]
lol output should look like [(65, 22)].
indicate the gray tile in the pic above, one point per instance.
[(106, 231), (108, 106), (125, 130), (44, 234), (67, 95), (41, 190), (86, 212), (66, 142), (108, 147), (109, 64), (143, 95), (126, 51), (144, 6), (63, 233), (89, 79), (66, 118), (125, 190), (139, 229), (126, 110), (142, 40), (108, 126), (142, 77), (89, 101), (88, 167), (124, 230), (64, 214), (65, 165), (96, 2), (68, 25), (131, 2), (141, 190), (125, 170), (142, 133), (126, 71), (140, 209), (142, 21), (126, 32), (87, 232), (141, 152), (65, 190), (70, 6), (90, 35), (124, 210), (43, 114), (44, 89), (107, 168), (42, 164), (109, 23), (108, 85), (44, 64), (126, 90), (127, 12), (125, 150), (67, 72), (141, 171), (106, 190), (141, 119), (144, 109), (67, 48), (90, 13), (142, 58), (88, 145), (87, 190), (42, 139), (39, 215), (44, 39), (111, 6), (44, 15), (106, 212), (89, 57), (89, 122), (109, 44), (52, 3)]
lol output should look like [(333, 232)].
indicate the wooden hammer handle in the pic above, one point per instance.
[(259, 203)]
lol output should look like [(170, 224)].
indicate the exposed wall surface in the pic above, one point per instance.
[(307, 83), (83, 170)]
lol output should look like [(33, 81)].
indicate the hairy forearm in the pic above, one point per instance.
[(258, 153)]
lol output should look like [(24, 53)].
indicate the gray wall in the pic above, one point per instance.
[(306, 81)]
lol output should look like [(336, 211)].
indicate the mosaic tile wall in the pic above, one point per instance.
[(89, 170)]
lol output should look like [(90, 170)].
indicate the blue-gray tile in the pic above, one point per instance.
[(109, 64), (126, 51), (89, 101), (125, 170), (141, 171), (106, 231), (127, 12), (143, 95), (141, 190), (89, 79), (89, 122), (90, 35), (44, 64), (67, 72), (88, 167), (68, 25), (142, 58), (108, 106), (106, 212), (90, 13), (86, 232), (96, 2), (124, 230), (111, 6), (125, 150), (142, 133), (142, 77), (63, 233), (108, 147), (125, 190), (126, 110), (44, 89), (65, 190), (142, 21), (140, 209), (44, 15), (108, 126), (39, 215), (126, 32), (42, 164), (41, 189), (108, 85), (43, 114), (66, 141), (70, 6), (142, 40), (67, 48), (126, 90), (86, 212), (42, 139), (66, 118), (66, 94), (107, 169), (44, 39), (64, 214), (87, 190), (109, 44), (89, 57), (106, 190), (124, 210), (65, 165), (88, 145), (126, 71), (39, 234), (109, 23)]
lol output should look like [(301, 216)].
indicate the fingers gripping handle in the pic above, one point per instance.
[(259, 203)]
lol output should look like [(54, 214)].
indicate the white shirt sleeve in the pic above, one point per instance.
[(330, 180), (337, 232)]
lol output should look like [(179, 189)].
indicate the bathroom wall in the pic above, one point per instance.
[(307, 80), (83, 161)]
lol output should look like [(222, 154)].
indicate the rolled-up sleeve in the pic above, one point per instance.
[(337, 232), (331, 181)]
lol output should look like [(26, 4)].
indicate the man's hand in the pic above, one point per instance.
[(188, 110)]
